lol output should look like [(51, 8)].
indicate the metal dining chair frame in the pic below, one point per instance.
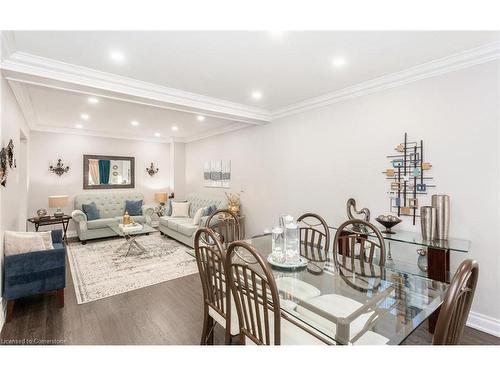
[(210, 259), (316, 243), (456, 305), (236, 230), (345, 238), (243, 280)]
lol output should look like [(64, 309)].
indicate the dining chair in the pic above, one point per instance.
[(352, 241), (257, 300), (456, 305), (216, 306), (314, 237), (226, 225)]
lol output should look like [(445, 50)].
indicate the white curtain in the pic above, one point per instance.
[(94, 171)]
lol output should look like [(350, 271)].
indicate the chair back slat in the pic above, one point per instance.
[(352, 242), (456, 305), (255, 294), (314, 237), (210, 261)]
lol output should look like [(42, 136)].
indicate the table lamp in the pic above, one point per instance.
[(161, 197), (57, 202)]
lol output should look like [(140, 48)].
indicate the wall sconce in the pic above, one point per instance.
[(59, 169), (152, 170)]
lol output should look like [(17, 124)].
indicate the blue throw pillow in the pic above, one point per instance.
[(91, 211), (210, 210), (134, 208)]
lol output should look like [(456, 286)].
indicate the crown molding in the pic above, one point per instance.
[(32, 65), (468, 58), (55, 73), (8, 44), (23, 98), (97, 133), (218, 131)]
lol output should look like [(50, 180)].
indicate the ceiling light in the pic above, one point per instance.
[(201, 118), (157, 135), (175, 128), (256, 95), (117, 56), (79, 126), (134, 123), (337, 62), (84, 116), (93, 100), (276, 34)]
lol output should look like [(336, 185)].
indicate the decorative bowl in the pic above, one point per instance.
[(388, 222)]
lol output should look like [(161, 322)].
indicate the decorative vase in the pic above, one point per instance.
[(428, 222), (41, 212), (442, 204)]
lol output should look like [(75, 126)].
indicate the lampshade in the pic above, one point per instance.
[(161, 196), (58, 201)]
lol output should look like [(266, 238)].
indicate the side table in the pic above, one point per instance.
[(51, 220)]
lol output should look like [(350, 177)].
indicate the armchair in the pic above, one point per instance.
[(35, 272)]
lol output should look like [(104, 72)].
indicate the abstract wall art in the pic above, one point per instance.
[(408, 177), (217, 173)]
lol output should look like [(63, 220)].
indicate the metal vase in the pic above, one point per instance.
[(428, 222), (442, 204)]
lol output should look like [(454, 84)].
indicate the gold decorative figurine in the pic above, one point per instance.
[(126, 218), (233, 202)]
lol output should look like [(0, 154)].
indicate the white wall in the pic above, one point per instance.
[(315, 160), (46, 148), (12, 126)]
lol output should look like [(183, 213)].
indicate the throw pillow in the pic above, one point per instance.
[(180, 209), (134, 208), (211, 209), (47, 240), (22, 242), (197, 216), (91, 211)]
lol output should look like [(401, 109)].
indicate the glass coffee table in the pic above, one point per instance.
[(131, 243)]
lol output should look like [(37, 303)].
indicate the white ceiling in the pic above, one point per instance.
[(61, 110), (287, 68)]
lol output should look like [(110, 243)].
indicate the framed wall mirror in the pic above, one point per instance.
[(108, 172)]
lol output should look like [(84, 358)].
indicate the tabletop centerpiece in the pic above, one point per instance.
[(286, 245)]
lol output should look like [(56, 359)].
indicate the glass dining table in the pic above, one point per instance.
[(356, 303)]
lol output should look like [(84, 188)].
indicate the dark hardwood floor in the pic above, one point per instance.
[(166, 313)]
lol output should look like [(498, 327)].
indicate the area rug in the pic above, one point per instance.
[(100, 269)]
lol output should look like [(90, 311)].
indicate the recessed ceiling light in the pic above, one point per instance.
[(201, 118), (84, 116), (256, 95), (174, 128), (134, 123), (276, 34), (93, 100), (79, 126), (157, 135), (338, 62), (117, 56)]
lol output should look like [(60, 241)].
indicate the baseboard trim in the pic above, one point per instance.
[(484, 323)]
